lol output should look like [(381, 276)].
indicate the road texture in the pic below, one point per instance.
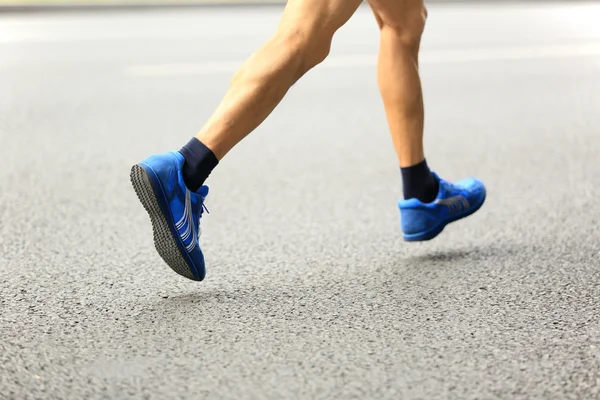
[(310, 292)]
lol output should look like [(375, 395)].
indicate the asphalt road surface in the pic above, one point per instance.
[(310, 291)]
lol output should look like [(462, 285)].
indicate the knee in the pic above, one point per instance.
[(407, 27)]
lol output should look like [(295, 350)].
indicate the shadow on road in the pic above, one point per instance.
[(399, 285), (444, 256)]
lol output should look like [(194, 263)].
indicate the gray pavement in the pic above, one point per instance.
[(310, 292)]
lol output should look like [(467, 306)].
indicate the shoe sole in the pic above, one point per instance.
[(164, 240), (436, 230)]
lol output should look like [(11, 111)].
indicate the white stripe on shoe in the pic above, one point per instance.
[(454, 203)]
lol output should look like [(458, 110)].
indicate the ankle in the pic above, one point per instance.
[(199, 163), (419, 182)]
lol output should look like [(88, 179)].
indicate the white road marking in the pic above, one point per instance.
[(441, 56)]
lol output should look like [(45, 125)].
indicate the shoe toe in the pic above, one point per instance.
[(474, 188)]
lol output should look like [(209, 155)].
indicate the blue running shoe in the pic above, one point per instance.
[(424, 221), (174, 210)]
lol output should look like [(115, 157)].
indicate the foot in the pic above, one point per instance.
[(424, 221), (174, 210)]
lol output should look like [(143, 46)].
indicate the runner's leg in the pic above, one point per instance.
[(301, 41), (430, 202), (170, 185), (401, 24)]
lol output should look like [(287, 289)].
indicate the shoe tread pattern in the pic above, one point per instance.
[(164, 241)]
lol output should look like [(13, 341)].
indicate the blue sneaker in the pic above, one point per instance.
[(174, 210), (424, 221)]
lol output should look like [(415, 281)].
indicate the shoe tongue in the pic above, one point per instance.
[(202, 192), (441, 185), (443, 188)]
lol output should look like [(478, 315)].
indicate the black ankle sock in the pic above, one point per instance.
[(418, 182), (199, 163)]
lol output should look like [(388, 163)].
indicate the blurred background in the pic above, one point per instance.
[(310, 291)]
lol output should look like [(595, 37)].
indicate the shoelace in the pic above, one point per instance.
[(202, 209)]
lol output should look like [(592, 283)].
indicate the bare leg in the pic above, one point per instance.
[(302, 41), (430, 203), (401, 24)]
